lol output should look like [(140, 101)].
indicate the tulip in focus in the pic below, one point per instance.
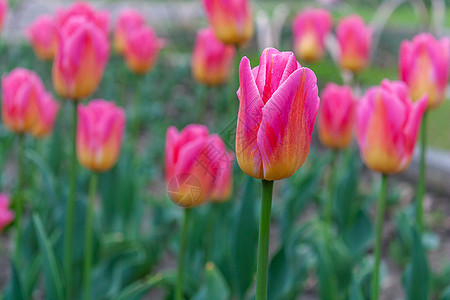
[(211, 59), (424, 66), (6, 214), (310, 28), (47, 112), (223, 183), (278, 104), (355, 40), (43, 37), (231, 20), (99, 135), (141, 49), (81, 58), (128, 20), (337, 116), (21, 90), (3, 12), (387, 124), (86, 12)]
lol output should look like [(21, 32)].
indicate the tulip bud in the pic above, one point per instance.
[(84, 10), (231, 20), (337, 116), (6, 214), (223, 183), (387, 124), (99, 135), (355, 39), (141, 49), (81, 58), (21, 90), (43, 37), (211, 59), (310, 27), (278, 104), (3, 12), (128, 20), (47, 111), (424, 67)]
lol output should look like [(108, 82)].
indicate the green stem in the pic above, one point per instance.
[(379, 233), (263, 241), (210, 231), (179, 287), (328, 207), (421, 186), (70, 211), (88, 238), (19, 205)]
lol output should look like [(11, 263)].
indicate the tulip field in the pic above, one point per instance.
[(245, 151)]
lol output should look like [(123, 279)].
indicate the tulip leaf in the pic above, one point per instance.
[(214, 287), (137, 289), (14, 290)]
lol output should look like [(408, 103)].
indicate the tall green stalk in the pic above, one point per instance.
[(88, 238), (328, 207), (262, 267), (18, 199), (181, 254), (421, 185), (379, 232), (70, 211)]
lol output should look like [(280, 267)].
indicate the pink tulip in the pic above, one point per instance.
[(310, 27), (387, 124), (21, 90), (6, 214), (99, 135), (141, 49), (43, 36), (85, 11), (355, 40), (128, 20), (3, 12), (231, 20), (47, 111), (337, 116), (223, 183), (278, 104), (192, 164), (211, 59), (424, 67), (81, 58)]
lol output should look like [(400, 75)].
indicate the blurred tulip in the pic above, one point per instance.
[(211, 59), (47, 111), (192, 163), (387, 124), (85, 11), (6, 214), (310, 27), (337, 116), (278, 104), (81, 58), (424, 66), (43, 37), (21, 90), (128, 20), (223, 183), (3, 12), (141, 49), (355, 40), (99, 135), (231, 20)]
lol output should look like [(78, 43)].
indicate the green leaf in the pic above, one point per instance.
[(355, 291), (214, 286), (14, 290), (445, 294), (137, 289)]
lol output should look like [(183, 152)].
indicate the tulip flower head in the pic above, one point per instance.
[(231, 20), (387, 124), (337, 116), (81, 58), (424, 67), (223, 183), (211, 59), (141, 49), (6, 214), (128, 20), (99, 135), (278, 104), (47, 112), (21, 90), (43, 37), (3, 12), (355, 40), (84, 10), (310, 27)]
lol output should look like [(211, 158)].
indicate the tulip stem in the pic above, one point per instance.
[(328, 208), (68, 236), (184, 229), (421, 186), (379, 234), (19, 205), (88, 238), (263, 240)]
